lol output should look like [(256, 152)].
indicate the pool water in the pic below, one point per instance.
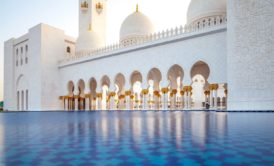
[(136, 138)]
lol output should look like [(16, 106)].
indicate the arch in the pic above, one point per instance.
[(199, 73), (70, 87), (68, 50), (105, 85), (120, 81), (81, 87), (156, 76), (175, 76), (200, 67), (105, 81), (18, 80), (136, 76), (92, 84)]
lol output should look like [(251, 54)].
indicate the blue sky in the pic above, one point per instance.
[(17, 16)]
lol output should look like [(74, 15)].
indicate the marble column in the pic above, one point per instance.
[(165, 98), (173, 99), (127, 93), (216, 86), (156, 104), (182, 93), (99, 101), (112, 105), (144, 100), (211, 98)]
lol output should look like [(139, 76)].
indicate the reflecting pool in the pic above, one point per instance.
[(136, 138)]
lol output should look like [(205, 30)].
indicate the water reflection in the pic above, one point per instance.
[(107, 132)]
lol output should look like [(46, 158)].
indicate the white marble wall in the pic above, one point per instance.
[(208, 46), (250, 54)]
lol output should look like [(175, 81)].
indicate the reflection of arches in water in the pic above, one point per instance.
[(199, 74)]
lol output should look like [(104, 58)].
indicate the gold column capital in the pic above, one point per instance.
[(144, 91), (99, 95), (121, 97), (164, 90), (128, 93)]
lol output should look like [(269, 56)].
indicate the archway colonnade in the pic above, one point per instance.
[(150, 95)]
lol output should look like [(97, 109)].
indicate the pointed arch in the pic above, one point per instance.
[(175, 76)]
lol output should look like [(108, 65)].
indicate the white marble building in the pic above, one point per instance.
[(222, 57)]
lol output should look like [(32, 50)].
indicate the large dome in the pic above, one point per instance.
[(205, 8), (88, 40), (136, 24)]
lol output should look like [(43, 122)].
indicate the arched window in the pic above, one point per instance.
[(68, 50), (26, 58), (16, 60), (27, 99), (21, 60), (18, 100)]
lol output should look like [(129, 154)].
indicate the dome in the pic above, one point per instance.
[(88, 40), (205, 8), (136, 24)]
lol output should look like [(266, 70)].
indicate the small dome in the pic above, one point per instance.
[(136, 24), (88, 40), (205, 8)]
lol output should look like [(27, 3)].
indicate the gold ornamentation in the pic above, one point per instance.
[(112, 94), (145, 91), (128, 93), (187, 88), (121, 97), (84, 5), (174, 91), (207, 92), (164, 90), (99, 95), (182, 92), (156, 93), (213, 86), (99, 7)]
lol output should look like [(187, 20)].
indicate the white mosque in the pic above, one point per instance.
[(222, 58)]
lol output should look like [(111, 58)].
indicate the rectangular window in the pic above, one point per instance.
[(27, 99), (18, 100)]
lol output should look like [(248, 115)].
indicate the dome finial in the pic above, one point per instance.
[(137, 7)]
